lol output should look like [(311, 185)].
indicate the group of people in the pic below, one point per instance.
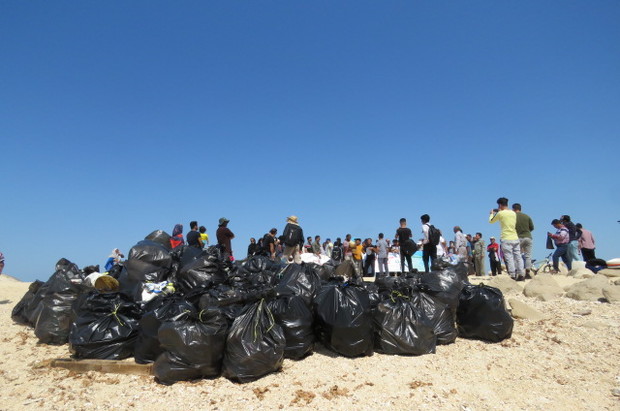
[(198, 237)]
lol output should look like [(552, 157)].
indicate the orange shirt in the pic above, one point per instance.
[(357, 252)]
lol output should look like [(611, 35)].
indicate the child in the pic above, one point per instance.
[(203, 235)]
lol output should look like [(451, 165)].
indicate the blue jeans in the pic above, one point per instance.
[(512, 257), (561, 250)]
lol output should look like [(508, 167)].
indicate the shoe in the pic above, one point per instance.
[(520, 278)]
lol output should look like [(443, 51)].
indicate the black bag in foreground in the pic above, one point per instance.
[(194, 346), (343, 319), (296, 320), (482, 314), (255, 344), (19, 313), (106, 327), (401, 328), (439, 314)]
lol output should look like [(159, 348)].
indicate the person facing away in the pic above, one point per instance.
[(404, 235), (524, 227), (460, 244), (370, 252), (382, 255), (113, 259), (494, 257), (479, 254), (252, 247), (586, 243), (293, 236), (573, 238), (204, 237), (177, 236), (429, 250), (508, 238), (193, 237), (337, 251), (561, 238), (224, 239), (269, 244)]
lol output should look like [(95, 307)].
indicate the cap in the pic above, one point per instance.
[(223, 220)]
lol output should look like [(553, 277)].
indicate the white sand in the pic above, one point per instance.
[(561, 363)]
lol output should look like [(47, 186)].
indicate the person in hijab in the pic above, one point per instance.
[(113, 259), (177, 236)]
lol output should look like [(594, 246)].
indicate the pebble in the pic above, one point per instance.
[(584, 312), (615, 392)]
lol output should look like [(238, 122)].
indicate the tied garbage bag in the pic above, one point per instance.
[(205, 270), (157, 311), (445, 281), (255, 344), (401, 328), (148, 261), (160, 237), (106, 327), (20, 311), (482, 314), (343, 319), (301, 280), (439, 315), (194, 346), (296, 319)]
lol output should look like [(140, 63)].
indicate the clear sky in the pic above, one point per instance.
[(118, 118)]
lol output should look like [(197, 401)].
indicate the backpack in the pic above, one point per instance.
[(433, 235), (337, 253), (292, 235)]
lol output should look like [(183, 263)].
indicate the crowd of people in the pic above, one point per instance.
[(514, 251)]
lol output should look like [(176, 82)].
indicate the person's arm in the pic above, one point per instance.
[(493, 216)]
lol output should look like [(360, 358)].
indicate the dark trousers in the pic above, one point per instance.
[(588, 254), (429, 252), (496, 266), (369, 267), (402, 262)]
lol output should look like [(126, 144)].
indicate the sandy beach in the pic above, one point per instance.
[(570, 360)]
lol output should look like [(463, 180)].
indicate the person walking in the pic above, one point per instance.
[(509, 238), (524, 227), (224, 239), (293, 240), (494, 257), (382, 255), (479, 254), (586, 243), (561, 238), (429, 249), (406, 244)]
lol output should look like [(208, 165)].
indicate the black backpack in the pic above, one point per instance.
[(292, 235), (433, 235), (337, 253)]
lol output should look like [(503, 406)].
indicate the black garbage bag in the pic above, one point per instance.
[(439, 314), (296, 319), (343, 320), (194, 346), (231, 300), (20, 311), (106, 327), (254, 346), (345, 269), (157, 311), (54, 314), (482, 314), (445, 281), (373, 294), (160, 237), (402, 328), (148, 261), (301, 280), (204, 271)]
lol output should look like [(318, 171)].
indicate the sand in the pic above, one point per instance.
[(569, 361)]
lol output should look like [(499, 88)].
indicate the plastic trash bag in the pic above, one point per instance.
[(203, 271), (482, 314), (296, 319), (301, 280), (148, 262), (157, 311), (160, 237), (194, 346), (106, 327), (343, 319), (20, 311), (439, 314), (254, 346), (402, 328), (445, 281)]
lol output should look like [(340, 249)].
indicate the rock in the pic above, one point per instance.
[(594, 324), (615, 392), (580, 270), (521, 310), (585, 311), (617, 282), (588, 290), (506, 284), (610, 272), (612, 293), (543, 287)]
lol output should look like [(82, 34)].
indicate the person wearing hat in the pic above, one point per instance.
[(293, 240), (494, 257), (224, 237)]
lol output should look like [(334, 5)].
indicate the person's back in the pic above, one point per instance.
[(193, 237), (524, 225), (404, 234), (507, 221)]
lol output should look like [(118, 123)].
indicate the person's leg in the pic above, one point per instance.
[(410, 263), (425, 256), (565, 255), (385, 266), (433, 254), (402, 262), (518, 259), (493, 267), (480, 266), (508, 257), (526, 251), (587, 253), (297, 255)]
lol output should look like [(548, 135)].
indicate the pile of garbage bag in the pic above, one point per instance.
[(194, 314)]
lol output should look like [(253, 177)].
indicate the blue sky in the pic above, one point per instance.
[(119, 118)]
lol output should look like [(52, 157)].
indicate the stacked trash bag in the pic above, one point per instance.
[(196, 315)]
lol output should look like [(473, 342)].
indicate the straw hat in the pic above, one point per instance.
[(292, 219)]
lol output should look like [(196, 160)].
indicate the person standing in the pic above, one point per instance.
[(479, 253), (328, 246), (253, 247), (193, 237), (573, 238), (316, 246), (460, 245), (113, 259), (442, 247), (406, 245), (224, 239), (429, 250), (509, 238), (269, 244), (1, 262), (524, 227), (494, 257), (293, 240), (346, 247), (371, 255), (357, 252), (586, 243), (562, 240), (337, 252), (382, 255), (204, 237), (177, 236)]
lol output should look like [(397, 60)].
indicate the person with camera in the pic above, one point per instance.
[(509, 239)]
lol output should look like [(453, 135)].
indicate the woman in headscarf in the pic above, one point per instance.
[(177, 236), (113, 259)]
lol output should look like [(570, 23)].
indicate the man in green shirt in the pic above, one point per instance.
[(509, 238), (524, 228)]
